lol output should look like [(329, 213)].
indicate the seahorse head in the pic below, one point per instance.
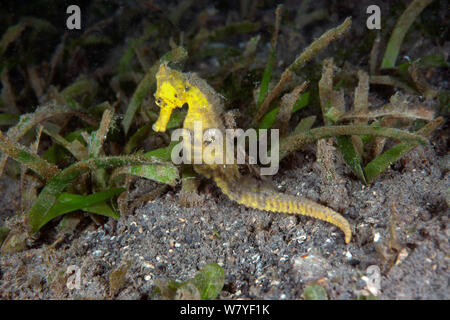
[(170, 94)]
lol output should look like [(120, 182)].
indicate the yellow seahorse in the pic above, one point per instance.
[(175, 89)]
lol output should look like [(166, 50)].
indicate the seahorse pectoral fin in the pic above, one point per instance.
[(164, 116)]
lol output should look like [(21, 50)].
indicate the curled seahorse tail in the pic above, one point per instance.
[(279, 202)]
